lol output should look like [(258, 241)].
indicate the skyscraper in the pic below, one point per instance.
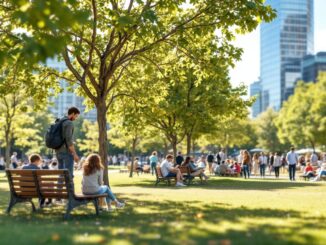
[(283, 43), (255, 90), (312, 65), (59, 104)]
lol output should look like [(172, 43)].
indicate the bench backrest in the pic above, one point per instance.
[(22, 183), (40, 183), (53, 183), (184, 169)]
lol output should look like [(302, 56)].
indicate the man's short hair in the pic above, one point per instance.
[(169, 156), (34, 158), (73, 110), (292, 148)]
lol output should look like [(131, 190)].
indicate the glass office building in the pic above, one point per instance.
[(255, 90), (312, 65), (283, 43), (60, 103)]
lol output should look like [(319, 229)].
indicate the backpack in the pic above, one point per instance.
[(53, 136)]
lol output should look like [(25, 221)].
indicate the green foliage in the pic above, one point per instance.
[(302, 119), (267, 131), (88, 142)]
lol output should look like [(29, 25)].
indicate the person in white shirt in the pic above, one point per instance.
[(292, 160), (314, 159), (168, 170), (14, 160), (262, 164), (2, 163), (277, 164)]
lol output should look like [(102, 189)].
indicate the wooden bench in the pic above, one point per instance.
[(186, 172), (323, 178), (160, 178), (27, 184)]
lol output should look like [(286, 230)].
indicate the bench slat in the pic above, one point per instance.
[(27, 194), (31, 189), (54, 195), (53, 190), (51, 184), (51, 179), (20, 183), (23, 178), (49, 172)]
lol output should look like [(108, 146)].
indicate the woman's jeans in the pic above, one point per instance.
[(262, 168), (246, 172), (105, 189), (153, 166)]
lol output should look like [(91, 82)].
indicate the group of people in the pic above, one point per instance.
[(92, 182), (245, 165)]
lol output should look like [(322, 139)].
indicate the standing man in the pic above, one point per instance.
[(314, 159), (66, 154), (179, 159), (14, 160), (210, 160), (292, 160)]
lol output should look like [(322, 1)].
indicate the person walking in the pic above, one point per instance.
[(246, 164), (66, 153), (14, 161), (277, 164), (270, 162), (255, 163), (262, 164), (153, 161), (292, 160), (210, 160)]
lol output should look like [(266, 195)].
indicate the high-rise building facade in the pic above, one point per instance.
[(312, 65), (255, 90), (283, 44), (59, 104)]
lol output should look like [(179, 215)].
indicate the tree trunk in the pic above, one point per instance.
[(132, 157), (102, 139), (193, 147), (166, 146), (188, 143), (174, 147), (8, 148)]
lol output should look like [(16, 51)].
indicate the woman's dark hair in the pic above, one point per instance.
[(186, 161), (92, 164)]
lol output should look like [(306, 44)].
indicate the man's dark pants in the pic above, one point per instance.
[(292, 171)]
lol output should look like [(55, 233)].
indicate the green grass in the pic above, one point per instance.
[(225, 211)]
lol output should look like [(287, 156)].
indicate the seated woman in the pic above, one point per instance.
[(237, 168), (321, 172), (195, 171), (92, 182), (201, 163), (309, 171)]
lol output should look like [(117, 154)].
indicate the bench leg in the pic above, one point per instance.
[(96, 203), (69, 208), (33, 206), (157, 181), (12, 203)]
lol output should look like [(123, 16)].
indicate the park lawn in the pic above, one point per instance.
[(225, 211)]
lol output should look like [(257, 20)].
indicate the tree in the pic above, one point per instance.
[(119, 33), (267, 131), (302, 119), (89, 141)]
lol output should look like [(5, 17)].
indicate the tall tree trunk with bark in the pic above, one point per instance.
[(189, 136), (103, 139), (8, 148), (134, 142)]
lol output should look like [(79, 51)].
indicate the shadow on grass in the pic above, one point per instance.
[(151, 222)]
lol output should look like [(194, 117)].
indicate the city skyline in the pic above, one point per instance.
[(247, 70)]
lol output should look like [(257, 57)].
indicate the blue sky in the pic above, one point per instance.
[(247, 70)]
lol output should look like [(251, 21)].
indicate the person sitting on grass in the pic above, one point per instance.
[(321, 172), (168, 170), (92, 182), (309, 171), (237, 168)]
